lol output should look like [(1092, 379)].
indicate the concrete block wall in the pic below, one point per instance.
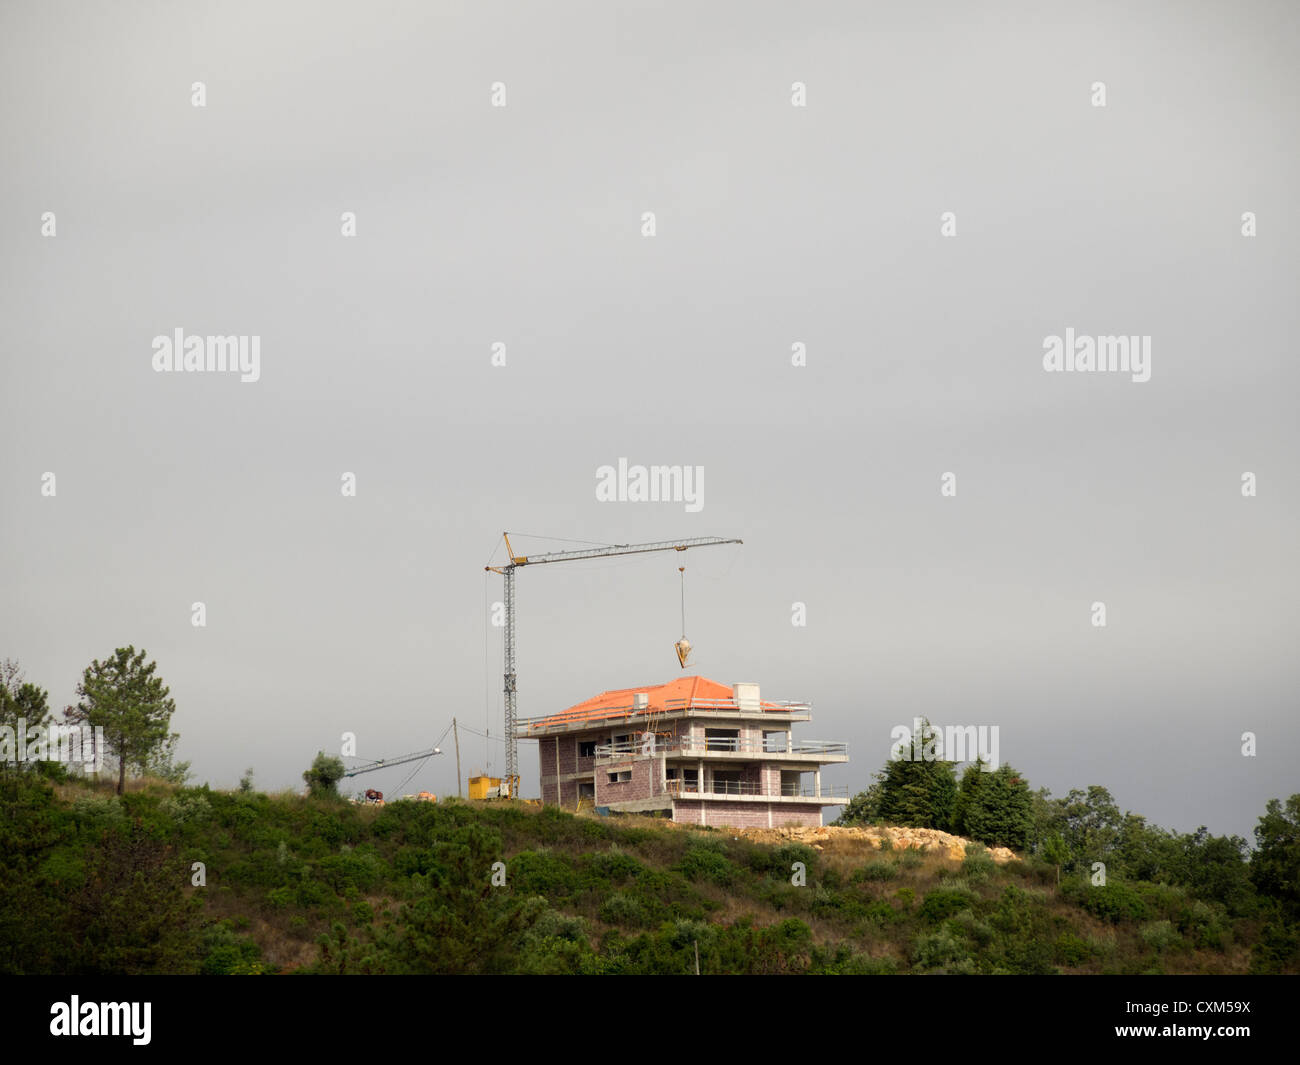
[(645, 782), (546, 766), (569, 762), (646, 779), (747, 814)]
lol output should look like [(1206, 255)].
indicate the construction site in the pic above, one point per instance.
[(689, 749), (692, 750)]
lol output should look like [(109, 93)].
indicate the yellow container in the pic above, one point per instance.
[(484, 787)]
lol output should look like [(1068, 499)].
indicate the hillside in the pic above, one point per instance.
[(93, 883)]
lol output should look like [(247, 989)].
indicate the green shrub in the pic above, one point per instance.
[(350, 872), (225, 953), (612, 866), (1206, 924), (977, 931), (882, 913), (1025, 934), (629, 911), (311, 892), (280, 897), (978, 865), (186, 807), (1114, 902), (835, 905), (705, 860), (784, 856), (939, 905), (1071, 950), (62, 869), (542, 872), (944, 952), (1162, 900), (103, 809), (556, 945), (1278, 948), (875, 871), (1160, 936)]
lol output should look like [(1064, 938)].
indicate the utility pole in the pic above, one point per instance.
[(456, 734)]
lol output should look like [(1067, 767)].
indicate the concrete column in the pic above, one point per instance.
[(701, 779), (817, 782)]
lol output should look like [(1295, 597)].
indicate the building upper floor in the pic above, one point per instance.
[(688, 718), (680, 699)]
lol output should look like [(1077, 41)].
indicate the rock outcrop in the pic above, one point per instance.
[(921, 839)]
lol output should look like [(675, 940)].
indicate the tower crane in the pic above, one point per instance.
[(511, 780)]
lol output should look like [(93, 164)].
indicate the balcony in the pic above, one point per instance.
[(734, 789), (814, 751)]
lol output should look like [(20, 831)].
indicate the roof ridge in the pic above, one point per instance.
[(696, 677)]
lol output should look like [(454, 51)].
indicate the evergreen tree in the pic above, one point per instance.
[(19, 701), (132, 705), (994, 807), (919, 789), (1275, 867)]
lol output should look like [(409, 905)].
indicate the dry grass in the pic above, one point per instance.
[(106, 784)]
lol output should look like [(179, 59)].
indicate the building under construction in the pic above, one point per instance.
[(698, 751)]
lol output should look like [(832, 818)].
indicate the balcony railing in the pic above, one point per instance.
[(688, 746), (727, 788)]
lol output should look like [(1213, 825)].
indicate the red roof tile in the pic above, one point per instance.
[(681, 692)]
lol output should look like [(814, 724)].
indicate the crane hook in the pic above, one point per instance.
[(683, 646)]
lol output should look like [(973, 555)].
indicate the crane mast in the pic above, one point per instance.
[(511, 779)]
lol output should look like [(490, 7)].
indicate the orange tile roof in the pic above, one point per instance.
[(681, 692)]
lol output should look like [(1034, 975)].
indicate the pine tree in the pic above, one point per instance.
[(20, 700), (123, 697)]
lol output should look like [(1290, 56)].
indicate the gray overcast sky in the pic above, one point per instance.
[(775, 224)]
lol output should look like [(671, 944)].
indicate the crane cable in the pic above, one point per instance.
[(682, 571), (484, 735)]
